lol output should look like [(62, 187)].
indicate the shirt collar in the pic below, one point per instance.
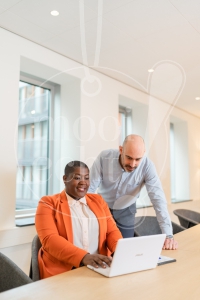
[(72, 201), (120, 164)]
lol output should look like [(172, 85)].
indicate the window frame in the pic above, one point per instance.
[(24, 213)]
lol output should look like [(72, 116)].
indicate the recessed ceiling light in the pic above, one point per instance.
[(33, 112), (151, 70), (54, 13), (197, 98)]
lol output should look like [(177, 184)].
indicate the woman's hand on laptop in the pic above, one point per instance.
[(96, 260), (170, 244)]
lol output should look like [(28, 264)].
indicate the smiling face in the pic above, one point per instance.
[(131, 154), (77, 183)]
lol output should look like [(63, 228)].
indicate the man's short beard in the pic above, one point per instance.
[(127, 170)]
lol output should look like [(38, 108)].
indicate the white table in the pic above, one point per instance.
[(178, 280)]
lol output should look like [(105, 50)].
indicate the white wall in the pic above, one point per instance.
[(97, 127)]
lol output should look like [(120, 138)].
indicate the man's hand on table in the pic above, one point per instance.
[(170, 244)]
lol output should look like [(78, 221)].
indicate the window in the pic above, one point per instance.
[(124, 117), (172, 163), (179, 160), (33, 145)]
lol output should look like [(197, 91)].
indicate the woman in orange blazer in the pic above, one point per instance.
[(54, 226)]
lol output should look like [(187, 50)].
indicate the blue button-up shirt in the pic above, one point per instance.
[(121, 189)]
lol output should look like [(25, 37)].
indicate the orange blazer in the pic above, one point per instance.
[(54, 227)]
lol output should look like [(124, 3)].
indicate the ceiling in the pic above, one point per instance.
[(122, 39)]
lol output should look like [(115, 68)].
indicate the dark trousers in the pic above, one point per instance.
[(125, 219)]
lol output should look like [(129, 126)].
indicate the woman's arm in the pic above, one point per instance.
[(52, 242)]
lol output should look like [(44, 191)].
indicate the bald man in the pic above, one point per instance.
[(120, 175)]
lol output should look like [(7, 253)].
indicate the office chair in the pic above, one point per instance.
[(147, 225), (11, 276), (34, 268), (187, 218)]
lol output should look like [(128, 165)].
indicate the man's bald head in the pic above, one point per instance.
[(132, 152), (134, 139)]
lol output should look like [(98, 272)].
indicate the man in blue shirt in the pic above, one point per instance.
[(120, 176)]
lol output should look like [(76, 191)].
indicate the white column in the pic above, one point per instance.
[(9, 95)]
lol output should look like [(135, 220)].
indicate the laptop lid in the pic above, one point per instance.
[(134, 254)]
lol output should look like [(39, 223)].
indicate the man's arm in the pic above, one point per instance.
[(157, 197), (96, 175)]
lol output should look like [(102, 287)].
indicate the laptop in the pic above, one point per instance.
[(134, 255)]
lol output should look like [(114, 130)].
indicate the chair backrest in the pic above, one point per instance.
[(11, 276), (34, 268), (147, 225), (187, 218)]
